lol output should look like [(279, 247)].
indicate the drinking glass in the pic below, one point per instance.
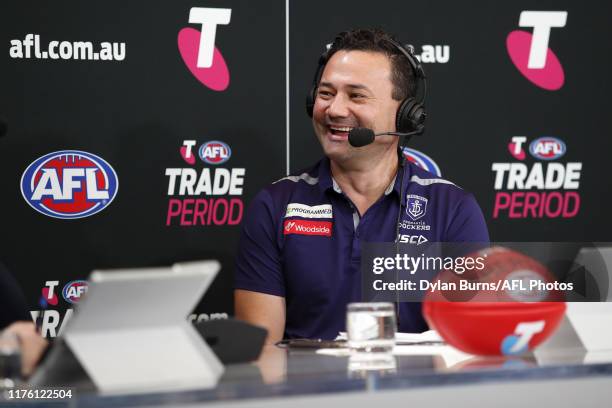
[(370, 327)]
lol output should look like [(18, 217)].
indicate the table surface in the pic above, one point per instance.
[(286, 373)]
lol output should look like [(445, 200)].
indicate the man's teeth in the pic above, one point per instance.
[(341, 129)]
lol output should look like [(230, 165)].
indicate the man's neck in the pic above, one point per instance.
[(366, 182)]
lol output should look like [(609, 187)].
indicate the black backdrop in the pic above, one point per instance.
[(136, 113)]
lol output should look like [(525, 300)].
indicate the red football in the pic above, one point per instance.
[(489, 321)]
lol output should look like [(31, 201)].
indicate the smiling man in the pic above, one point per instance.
[(298, 264)]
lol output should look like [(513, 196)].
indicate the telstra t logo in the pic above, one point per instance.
[(198, 49), (530, 53)]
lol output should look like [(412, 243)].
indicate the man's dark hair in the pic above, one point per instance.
[(376, 40)]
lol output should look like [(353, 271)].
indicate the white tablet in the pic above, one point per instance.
[(130, 331)]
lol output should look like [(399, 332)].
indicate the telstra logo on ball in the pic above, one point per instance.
[(530, 53), (198, 50)]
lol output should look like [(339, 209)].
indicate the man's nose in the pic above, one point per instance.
[(338, 108)]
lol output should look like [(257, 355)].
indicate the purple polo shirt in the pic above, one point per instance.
[(301, 240)]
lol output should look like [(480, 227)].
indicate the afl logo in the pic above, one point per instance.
[(69, 184), (73, 291), (215, 152), (547, 148), (422, 160)]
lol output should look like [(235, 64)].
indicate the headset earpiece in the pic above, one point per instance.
[(310, 100), (312, 94), (410, 116), (411, 113)]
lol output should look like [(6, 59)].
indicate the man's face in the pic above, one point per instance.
[(354, 91)]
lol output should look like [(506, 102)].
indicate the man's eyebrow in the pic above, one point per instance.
[(352, 86)]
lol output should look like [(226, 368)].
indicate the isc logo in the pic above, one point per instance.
[(412, 239), (73, 291), (69, 184), (215, 152), (547, 148)]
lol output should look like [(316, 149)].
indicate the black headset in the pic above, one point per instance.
[(411, 114)]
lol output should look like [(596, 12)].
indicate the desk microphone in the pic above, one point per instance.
[(359, 137)]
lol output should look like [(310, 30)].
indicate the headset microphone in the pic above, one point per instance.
[(359, 137)]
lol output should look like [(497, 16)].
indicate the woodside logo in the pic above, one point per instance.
[(303, 227)]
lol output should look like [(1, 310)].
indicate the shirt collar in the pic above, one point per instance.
[(327, 182), (406, 180), (325, 178)]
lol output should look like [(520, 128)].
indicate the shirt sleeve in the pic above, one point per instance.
[(258, 263), (468, 223)]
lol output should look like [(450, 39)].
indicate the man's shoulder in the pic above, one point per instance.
[(304, 179), (456, 208), (426, 181), (300, 183), (438, 190)]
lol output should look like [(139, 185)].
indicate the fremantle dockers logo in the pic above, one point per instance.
[(416, 206)]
